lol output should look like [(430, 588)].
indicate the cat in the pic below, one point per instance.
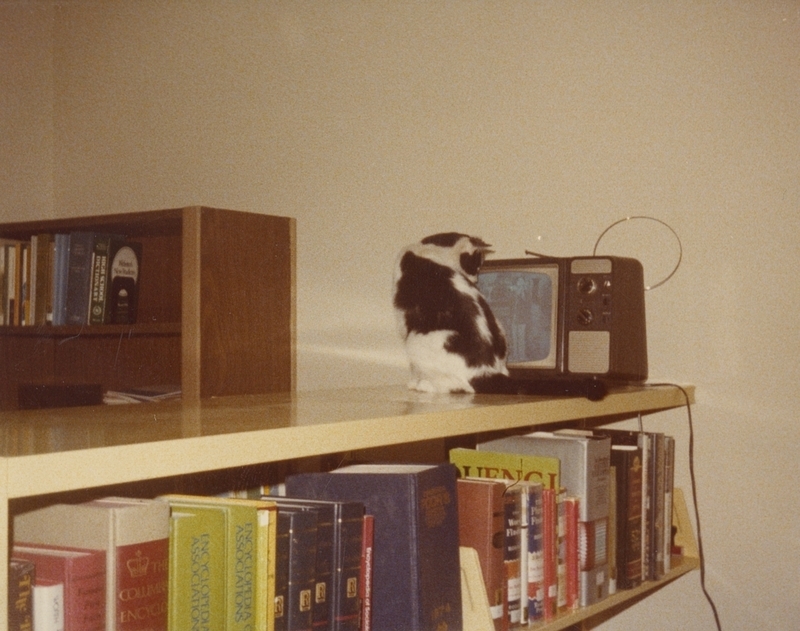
[(452, 339)]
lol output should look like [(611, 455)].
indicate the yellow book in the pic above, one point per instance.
[(507, 466), (196, 568), (250, 543)]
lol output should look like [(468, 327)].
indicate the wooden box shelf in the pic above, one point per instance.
[(216, 309)]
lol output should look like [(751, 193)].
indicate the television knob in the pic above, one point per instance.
[(587, 285), (585, 317)]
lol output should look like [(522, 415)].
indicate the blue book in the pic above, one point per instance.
[(60, 266), (416, 570), (79, 277)]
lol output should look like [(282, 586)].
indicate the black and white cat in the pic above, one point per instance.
[(453, 341)]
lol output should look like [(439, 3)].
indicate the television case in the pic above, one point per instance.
[(599, 318)]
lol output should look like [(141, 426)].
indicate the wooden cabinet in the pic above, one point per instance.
[(216, 310), (67, 454)]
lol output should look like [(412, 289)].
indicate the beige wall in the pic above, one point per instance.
[(533, 124)]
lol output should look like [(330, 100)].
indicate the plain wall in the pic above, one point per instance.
[(532, 124)]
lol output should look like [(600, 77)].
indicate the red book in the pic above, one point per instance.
[(550, 552), (572, 514), (83, 573), (367, 564), (134, 534), (480, 526)]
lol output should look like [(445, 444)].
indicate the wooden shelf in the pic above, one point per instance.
[(92, 447), (215, 310), (104, 330), (51, 452)]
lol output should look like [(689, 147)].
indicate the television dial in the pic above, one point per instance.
[(587, 285), (585, 316)]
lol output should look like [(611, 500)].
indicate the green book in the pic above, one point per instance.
[(197, 569), (247, 535), (507, 466)]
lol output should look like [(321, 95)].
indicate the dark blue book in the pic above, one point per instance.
[(60, 269), (79, 276), (339, 536), (416, 570), (296, 553)]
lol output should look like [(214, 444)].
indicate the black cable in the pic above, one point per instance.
[(694, 497)]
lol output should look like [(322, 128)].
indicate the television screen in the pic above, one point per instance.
[(525, 301)]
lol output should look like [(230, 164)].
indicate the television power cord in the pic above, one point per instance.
[(695, 503)]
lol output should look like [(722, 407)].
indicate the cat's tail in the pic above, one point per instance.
[(592, 389)]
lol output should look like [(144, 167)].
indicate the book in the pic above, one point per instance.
[(21, 577), (247, 549), (78, 279), (499, 465), (345, 547), (481, 527), (612, 531), (475, 608), (585, 474), (571, 529), (657, 535), (322, 616), (135, 537), (41, 277), (550, 498), (669, 487), (125, 259), (296, 560), (416, 583), (98, 287), (512, 519), (48, 606), (647, 442), (367, 568), (59, 278), (196, 569), (627, 463), (83, 574), (535, 586)]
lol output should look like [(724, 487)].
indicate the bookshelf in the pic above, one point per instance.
[(212, 281), (47, 455)]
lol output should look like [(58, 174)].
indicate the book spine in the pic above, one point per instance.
[(535, 557), (48, 606), (81, 245), (571, 514), (495, 465), (349, 544), (669, 484), (524, 526), (561, 551), (512, 507), (142, 585), (301, 528), (550, 553), (197, 570), (365, 577), (60, 267), (123, 281), (21, 575), (99, 280), (83, 574), (627, 461), (325, 562)]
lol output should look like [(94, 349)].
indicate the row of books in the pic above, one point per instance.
[(557, 520), (360, 548), (74, 278), (580, 515)]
